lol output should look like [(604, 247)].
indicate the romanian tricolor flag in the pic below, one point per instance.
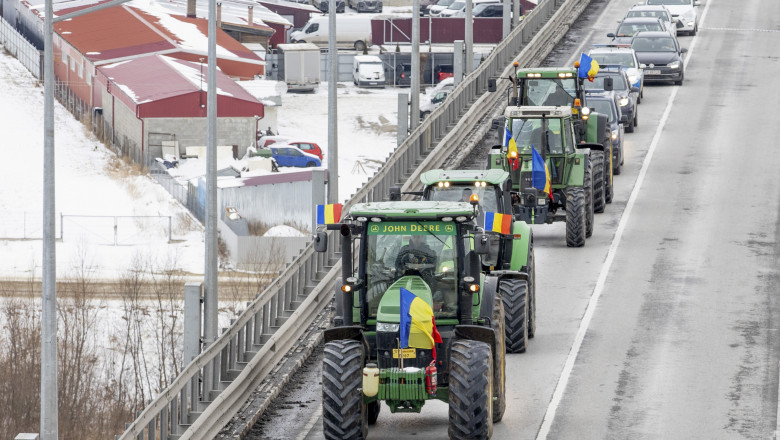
[(501, 223), (511, 145), (588, 67), (418, 328), (540, 174), (328, 214)]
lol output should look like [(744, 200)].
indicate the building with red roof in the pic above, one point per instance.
[(147, 100)]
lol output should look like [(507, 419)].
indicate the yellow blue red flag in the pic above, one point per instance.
[(588, 67), (540, 174), (501, 223), (418, 328), (511, 145), (328, 214)]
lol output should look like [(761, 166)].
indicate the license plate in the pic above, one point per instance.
[(409, 353), (653, 72)]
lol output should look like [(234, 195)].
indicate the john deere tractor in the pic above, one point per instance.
[(561, 87), (511, 256), (433, 250), (571, 167)]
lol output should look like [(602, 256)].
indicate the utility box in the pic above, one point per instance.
[(299, 66)]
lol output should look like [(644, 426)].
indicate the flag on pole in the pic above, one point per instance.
[(511, 145), (418, 328), (501, 223), (540, 174), (328, 214), (588, 67)]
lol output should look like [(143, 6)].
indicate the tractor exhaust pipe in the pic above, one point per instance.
[(346, 272)]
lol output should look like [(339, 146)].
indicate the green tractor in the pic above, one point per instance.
[(511, 256), (433, 250), (561, 87), (572, 169)]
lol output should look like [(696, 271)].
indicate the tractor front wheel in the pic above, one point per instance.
[(575, 216), (531, 294), (471, 390), (514, 294), (373, 412), (499, 364), (344, 414)]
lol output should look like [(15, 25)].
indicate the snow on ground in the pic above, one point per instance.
[(91, 181)]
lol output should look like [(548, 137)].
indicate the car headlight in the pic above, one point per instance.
[(674, 65), (623, 102), (386, 327), (614, 134)]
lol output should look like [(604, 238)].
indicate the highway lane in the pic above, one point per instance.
[(681, 342)]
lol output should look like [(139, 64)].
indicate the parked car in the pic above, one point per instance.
[(323, 5), (351, 31), (289, 156), (366, 5), (368, 71), (488, 8), (307, 147), (630, 26), (266, 141), (625, 94), (435, 10), (623, 55), (659, 11), (403, 74), (443, 71), (683, 11), (436, 96), (604, 103), (660, 55)]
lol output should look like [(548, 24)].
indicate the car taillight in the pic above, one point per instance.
[(403, 75)]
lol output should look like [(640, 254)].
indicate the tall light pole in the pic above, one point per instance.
[(333, 132), (414, 107), (49, 415)]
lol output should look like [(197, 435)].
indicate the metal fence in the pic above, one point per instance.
[(21, 48), (174, 188), (217, 382)]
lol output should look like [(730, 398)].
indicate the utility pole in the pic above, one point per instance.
[(49, 414), (469, 64), (333, 133), (414, 109)]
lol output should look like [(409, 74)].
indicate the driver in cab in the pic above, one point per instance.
[(416, 252)]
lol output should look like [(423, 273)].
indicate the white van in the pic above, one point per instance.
[(368, 71), (350, 31)]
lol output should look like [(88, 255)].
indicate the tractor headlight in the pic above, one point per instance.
[(585, 111), (386, 327), (623, 101), (674, 65), (614, 134)]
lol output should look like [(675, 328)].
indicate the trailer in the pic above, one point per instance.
[(299, 66)]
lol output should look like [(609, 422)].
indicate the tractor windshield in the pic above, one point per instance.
[(543, 134), (426, 249), (549, 91), (461, 193)]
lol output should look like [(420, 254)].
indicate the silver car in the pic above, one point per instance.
[(683, 11), (658, 11)]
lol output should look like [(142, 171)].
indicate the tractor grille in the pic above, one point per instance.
[(398, 384)]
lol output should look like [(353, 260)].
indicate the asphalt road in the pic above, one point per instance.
[(664, 326)]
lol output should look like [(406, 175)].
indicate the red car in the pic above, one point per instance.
[(308, 147)]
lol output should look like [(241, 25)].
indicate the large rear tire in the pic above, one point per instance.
[(344, 414), (531, 293), (599, 180), (471, 391), (499, 360), (514, 293), (575, 216)]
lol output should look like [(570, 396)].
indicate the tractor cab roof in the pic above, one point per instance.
[(492, 177), (412, 210), (547, 72), (537, 112)]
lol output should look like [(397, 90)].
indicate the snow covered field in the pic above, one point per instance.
[(92, 181)]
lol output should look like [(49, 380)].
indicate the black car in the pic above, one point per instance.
[(403, 74), (660, 55), (604, 103), (632, 25), (625, 94)]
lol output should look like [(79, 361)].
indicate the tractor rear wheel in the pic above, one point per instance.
[(599, 193), (499, 360), (514, 294), (575, 216), (471, 391), (344, 414)]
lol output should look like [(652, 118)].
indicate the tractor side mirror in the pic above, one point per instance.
[(321, 241), (481, 244), (608, 84), (491, 85), (496, 123), (395, 193)]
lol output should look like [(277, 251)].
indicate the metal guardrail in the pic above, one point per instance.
[(242, 356)]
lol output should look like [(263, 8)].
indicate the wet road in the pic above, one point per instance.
[(665, 324)]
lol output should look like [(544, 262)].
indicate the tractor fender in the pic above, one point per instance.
[(488, 295), (578, 160), (480, 333), (520, 246), (353, 332)]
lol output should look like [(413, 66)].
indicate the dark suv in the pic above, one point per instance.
[(625, 94)]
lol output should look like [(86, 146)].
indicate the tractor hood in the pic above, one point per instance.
[(390, 304)]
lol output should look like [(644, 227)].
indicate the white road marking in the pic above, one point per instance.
[(310, 424), (552, 408)]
